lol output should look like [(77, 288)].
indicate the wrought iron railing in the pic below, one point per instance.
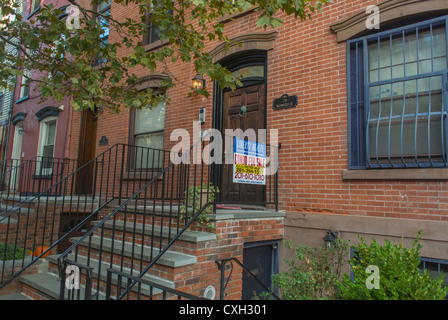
[(153, 288), (22, 178), (162, 210), (119, 186), (226, 265), (41, 223)]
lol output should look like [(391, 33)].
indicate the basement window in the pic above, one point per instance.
[(435, 268)]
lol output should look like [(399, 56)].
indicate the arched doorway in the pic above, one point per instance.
[(243, 108)]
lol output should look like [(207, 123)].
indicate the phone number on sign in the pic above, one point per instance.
[(241, 168), (249, 176)]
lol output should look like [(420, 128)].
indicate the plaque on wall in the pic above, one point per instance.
[(103, 141), (285, 102)]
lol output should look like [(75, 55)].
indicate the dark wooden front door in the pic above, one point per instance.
[(252, 116), (87, 146)]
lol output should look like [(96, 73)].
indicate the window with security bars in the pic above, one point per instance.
[(103, 9), (397, 97), (435, 267)]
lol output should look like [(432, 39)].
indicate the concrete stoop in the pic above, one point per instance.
[(45, 284), (189, 265)]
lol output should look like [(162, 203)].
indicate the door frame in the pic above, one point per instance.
[(232, 63), (88, 117), (16, 156)]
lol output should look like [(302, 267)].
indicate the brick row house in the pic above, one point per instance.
[(361, 151), (6, 102)]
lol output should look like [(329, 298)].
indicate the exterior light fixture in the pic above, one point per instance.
[(330, 238), (21, 130), (198, 82)]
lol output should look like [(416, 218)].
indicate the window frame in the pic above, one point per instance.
[(2, 101), (147, 42), (43, 135), (132, 143), (358, 101), (25, 85), (104, 38), (34, 7), (439, 263)]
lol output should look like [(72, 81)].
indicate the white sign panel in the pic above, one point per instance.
[(249, 162)]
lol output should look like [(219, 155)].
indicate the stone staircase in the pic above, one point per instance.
[(134, 234), (45, 284)]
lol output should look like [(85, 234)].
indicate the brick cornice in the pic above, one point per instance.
[(249, 41), (390, 11)]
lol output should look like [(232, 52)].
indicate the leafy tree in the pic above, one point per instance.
[(400, 277), (68, 60)]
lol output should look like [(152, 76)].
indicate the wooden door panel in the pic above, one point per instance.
[(254, 117), (87, 149)]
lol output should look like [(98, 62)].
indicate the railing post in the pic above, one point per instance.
[(121, 177), (222, 287), (108, 283)]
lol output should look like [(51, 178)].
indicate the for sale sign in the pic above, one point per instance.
[(249, 162)]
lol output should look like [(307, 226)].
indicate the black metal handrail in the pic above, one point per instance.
[(75, 280), (32, 177), (174, 180), (128, 180), (30, 225), (222, 266), (132, 279)]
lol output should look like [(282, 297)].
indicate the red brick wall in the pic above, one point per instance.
[(231, 236), (308, 62)]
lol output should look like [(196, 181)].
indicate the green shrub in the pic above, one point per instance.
[(198, 195), (312, 272), (12, 252), (400, 277)]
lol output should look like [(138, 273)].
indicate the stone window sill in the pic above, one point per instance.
[(396, 174), (155, 45), (22, 99)]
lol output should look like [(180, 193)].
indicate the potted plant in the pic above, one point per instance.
[(196, 198)]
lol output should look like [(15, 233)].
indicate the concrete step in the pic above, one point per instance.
[(19, 208), (104, 266), (15, 296), (229, 214), (165, 232), (147, 209), (47, 286), (44, 284), (170, 258)]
